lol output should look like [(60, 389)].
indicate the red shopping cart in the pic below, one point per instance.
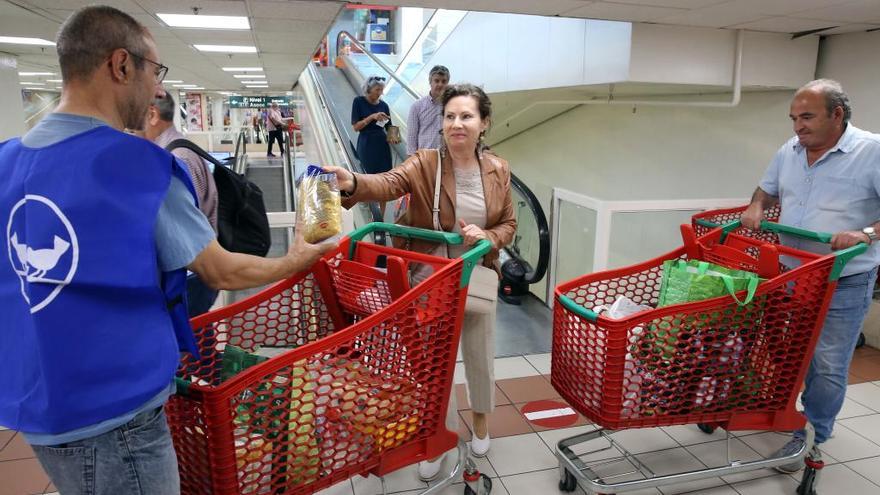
[(359, 383), (713, 362), (711, 219)]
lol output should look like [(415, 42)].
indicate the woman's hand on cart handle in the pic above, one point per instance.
[(752, 216), (848, 238), (470, 233), (344, 178)]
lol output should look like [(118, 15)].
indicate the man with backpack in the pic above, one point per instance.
[(159, 128)]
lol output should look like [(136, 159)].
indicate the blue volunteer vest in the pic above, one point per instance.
[(89, 328)]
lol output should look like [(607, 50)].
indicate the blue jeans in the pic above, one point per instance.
[(827, 377), (135, 459)]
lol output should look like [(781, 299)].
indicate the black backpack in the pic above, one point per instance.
[(242, 224)]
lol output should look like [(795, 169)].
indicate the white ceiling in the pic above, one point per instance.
[(286, 33)]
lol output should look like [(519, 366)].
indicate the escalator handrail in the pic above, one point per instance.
[(354, 165), (375, 59), (539, 271)]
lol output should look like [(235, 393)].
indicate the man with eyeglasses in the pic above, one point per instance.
[(101, 227)]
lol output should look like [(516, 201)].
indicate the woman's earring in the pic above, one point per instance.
[(481, 145), (442, 145)]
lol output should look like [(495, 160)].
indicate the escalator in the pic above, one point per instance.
[(525, 260)]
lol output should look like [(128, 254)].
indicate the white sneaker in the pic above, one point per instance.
[(480, 446), (428, 470)]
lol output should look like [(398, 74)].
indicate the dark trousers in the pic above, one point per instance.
[(273, 135), (199, 297)]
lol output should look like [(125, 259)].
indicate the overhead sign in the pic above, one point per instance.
[(257, 101)]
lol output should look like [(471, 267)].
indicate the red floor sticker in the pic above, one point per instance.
[(550, 413)]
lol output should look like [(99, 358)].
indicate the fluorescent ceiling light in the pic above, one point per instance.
[(15, 40), (226, 48), (205, 21), (197, 87), (257, 87), (184, 85), (171, 81), (255, 82), (248, 76), (36, 73), (54, 80), (26, 83), (38, 89), (243, 69)]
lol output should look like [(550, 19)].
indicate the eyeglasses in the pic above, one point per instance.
[(377, 78), (161, 70)]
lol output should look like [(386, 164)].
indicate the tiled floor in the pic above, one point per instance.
[(521, 461)]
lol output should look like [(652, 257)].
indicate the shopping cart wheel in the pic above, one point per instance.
[(861, 341), (706, 428), (808, 482), (487, 487), (568, 483)]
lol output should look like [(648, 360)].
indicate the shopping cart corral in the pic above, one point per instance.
[(714, 362), (342, 370)]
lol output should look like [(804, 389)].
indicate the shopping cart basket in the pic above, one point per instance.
[(705, 221), (713, 361), (347, 393)]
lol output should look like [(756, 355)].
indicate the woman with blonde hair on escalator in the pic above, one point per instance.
[(474, 200)]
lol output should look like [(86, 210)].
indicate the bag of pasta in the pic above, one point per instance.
[(320, 205)]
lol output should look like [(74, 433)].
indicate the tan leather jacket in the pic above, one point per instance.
[(416, 176)]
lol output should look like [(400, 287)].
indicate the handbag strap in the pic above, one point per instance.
[(435, 210)]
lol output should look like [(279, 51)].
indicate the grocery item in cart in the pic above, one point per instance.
[(320, 205)]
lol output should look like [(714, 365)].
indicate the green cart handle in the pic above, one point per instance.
[(841, 258), (471, 257), (578, 309)]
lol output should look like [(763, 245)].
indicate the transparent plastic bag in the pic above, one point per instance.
[(320, 205)]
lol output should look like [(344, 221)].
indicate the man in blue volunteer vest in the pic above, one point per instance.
[(100, 227)]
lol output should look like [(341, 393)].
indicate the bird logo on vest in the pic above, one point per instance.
[(43, 249)]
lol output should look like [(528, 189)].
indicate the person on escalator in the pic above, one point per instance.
[(425, 122), (474, 199), (370, 117)]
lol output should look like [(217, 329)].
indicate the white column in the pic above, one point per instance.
[(12, 116)]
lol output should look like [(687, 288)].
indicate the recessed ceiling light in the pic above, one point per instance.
[(54, 80), (197, 87), (37, 89), (25, 41), (256, 86), (171, 81), (248, 76), (226, 48), (254, 82), (184, 85), (26, 83), (205, 21), (36, 73), (243, 69)]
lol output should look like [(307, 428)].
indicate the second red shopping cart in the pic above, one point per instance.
[(712, 361)]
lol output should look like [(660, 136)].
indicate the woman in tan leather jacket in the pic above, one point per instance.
[(474, 201)]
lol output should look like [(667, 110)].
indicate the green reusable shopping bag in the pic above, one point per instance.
[(694, 280)]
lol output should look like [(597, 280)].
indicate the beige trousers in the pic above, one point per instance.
[(478, 354)]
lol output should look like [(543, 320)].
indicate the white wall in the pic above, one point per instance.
[(12, 119), (675, 54), (852, 60), (613, 153)]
